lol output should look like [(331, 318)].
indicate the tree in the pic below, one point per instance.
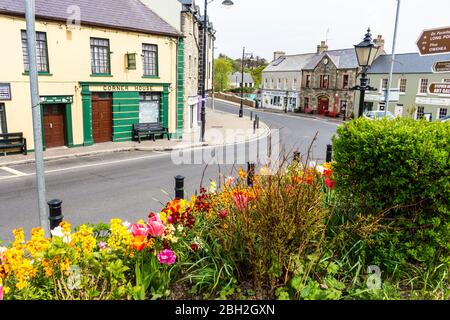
[(257, 75), (222, 70)]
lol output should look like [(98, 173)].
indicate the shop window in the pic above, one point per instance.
[(324, 81), (403, 85), (100, 56), (3, 128), (345, 81), (150, 59), (41, 52), (149, 107), (308, 81), (420, 112), (423, 86)]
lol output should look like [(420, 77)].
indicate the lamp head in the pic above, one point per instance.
[(228, 3), (366, 51)]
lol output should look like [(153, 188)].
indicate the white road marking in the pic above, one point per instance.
[(14, 172)]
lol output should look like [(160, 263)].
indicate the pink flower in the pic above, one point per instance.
[(223, 213), (167, 257), (102, 245), (155, 227), (240, 200), (330, 183), (1, 292), (139, 230)]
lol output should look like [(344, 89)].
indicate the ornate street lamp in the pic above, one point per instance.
[(366, 53), (226, 3)]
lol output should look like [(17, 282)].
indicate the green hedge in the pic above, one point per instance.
[(390, 163), (400, 168)]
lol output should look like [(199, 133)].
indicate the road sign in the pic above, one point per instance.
[(440, 88), (434, 41), (441, 66)]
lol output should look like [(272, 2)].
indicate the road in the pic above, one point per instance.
[(129, 185)]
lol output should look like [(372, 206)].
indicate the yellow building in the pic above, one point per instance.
[(103, 66)]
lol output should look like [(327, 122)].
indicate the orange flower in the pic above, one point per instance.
[(139, 243)]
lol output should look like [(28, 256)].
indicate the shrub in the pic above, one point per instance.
[(398, 172)]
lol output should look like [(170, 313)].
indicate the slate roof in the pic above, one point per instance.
[(289, 63), (343, 59), (237, 75), (406, 63), (118, 14)]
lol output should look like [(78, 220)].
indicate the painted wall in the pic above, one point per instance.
[(169, 10), (70, 63), (412, 98)]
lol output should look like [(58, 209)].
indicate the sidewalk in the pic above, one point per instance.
[(221, 128), (302, 115)]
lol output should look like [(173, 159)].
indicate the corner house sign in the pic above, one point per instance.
[(119, 88), (5, 91)]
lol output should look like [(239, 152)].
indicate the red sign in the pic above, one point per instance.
[(440, 88), (434, 41)]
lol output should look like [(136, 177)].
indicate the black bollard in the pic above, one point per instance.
[(250, 174), (296, 156), (329, 153), (257, 121), (55, 213), (254, 126), (251, 115), (179, 187)]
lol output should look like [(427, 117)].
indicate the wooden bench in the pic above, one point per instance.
[(13, 141), (149, 130)]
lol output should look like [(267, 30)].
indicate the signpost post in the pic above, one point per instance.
[(434, 41)]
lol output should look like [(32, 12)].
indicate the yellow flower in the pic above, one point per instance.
[(120, 236), (242, 174), (38, 243), (66, 227), (83, 240)]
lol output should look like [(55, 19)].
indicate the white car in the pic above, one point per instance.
[(373, 115), (445, 119)]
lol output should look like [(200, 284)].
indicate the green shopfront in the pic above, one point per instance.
[(111, 109)]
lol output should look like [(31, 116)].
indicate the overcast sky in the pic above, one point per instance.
[(298, 26)]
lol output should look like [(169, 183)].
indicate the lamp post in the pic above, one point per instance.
[(244, 56), (366, 53), (227, 3)]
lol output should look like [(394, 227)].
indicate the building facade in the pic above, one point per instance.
[(281, 81), (114, 68), (410, 95), (235, 80)]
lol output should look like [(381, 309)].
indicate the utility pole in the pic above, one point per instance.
[(203, 111), (241, 109), (388, 93), (36, 111)]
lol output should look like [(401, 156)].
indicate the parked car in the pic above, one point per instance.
[(373, 115), (445, 119)]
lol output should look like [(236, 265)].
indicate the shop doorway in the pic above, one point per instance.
[(323, 104), (102, 117), (54, 125)]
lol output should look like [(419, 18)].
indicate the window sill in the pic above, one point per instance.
[(150, 77), (101, 75), (44, 74)]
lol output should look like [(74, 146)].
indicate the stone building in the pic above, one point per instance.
[(327, 80)]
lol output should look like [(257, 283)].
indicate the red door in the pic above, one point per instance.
[(54, 126), (101, 117), (323, 104)]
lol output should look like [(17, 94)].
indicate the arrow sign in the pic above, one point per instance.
[(434, 41), (440, 88), (441, 66)]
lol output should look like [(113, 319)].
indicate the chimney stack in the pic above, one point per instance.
[(322, 47), (278, 54), (379, 41)]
